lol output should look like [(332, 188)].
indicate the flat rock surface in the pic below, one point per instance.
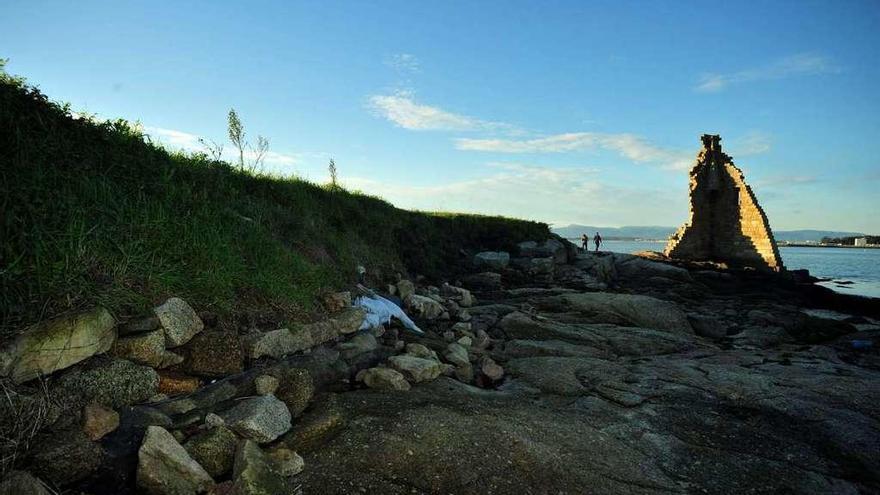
[(615, 393)]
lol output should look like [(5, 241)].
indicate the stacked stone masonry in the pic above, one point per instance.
[(726, 222)]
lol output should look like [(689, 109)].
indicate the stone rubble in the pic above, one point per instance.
[(554, 371)]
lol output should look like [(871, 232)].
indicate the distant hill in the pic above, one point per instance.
[(655, 232)]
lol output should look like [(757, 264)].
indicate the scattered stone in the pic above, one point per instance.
[(418, 350), (140, 325), (449, 336), (286, 462), (64, 457), (109, 381), (213, 420), (317, 427), (170, 359), (179, 321), (277, 343), (465, 373), (261, 419), (165, 467), (481, 340), (423, 307), (174, 383), (214, 450), (465, 341), (254, 474), (99, 421), (491, 369), (384, 379), (147, 348), (483, 281), (414, 368), (343, 323), (492, 260), (457, 354), (462, 328), (405, 288), (214, 354), (296, 390), (337, 301), (359, 344), (462, 296), (22, 483), (378, 331), (266, 384), (57, 344), (224, 488)]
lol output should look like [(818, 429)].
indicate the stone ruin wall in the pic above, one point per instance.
[(726, 222)]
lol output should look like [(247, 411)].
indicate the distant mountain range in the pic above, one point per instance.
[(654, 232)]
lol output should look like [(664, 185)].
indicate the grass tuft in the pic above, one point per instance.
[(94, 213)]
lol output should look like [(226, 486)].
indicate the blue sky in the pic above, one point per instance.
[(566, 112)]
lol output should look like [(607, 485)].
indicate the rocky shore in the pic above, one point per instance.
[(546, 370)]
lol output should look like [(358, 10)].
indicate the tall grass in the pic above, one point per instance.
[(95, 213)]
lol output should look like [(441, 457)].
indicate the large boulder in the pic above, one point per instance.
[(277, 343), (483, 281), (492, 260), (179, 321), (462, 296), (165, 467), (214, 354), (416, 369), (357, 345), (551, 248), (57, 344), (342, 323), (108, 381), (22, 483), (146, 348), (627, 309), (384, 379), (213, 449), (64, 457), (255, 472), (296, 390), (424, 307), (261, 419)]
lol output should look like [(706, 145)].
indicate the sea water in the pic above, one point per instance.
[(857, 268)]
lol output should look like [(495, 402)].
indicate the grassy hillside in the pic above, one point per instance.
[(91, 213)]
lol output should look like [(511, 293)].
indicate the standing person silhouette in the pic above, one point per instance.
[(585, 242), (597, 239)]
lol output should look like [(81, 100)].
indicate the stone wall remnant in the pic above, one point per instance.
[(726, 222)]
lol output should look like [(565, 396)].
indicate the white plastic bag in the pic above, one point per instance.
[(379, 312)]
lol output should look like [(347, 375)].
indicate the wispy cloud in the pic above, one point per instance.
[(630, 146), (563, 195), (752, 143), (403, 110), (404, 63), (181, 140), (801, 64)]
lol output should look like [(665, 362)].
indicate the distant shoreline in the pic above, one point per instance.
[(845, 246)]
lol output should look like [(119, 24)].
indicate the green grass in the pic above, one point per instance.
[(94, 214)]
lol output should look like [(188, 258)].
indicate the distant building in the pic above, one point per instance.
[(861, 241)]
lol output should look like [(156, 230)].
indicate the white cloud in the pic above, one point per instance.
[(402, 109), (174, 138), (563, 195), (628, 145), (405, 63), (181, 140), (752, 143), (801, 64)]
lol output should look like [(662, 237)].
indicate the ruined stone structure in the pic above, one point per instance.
[(726, 223)]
